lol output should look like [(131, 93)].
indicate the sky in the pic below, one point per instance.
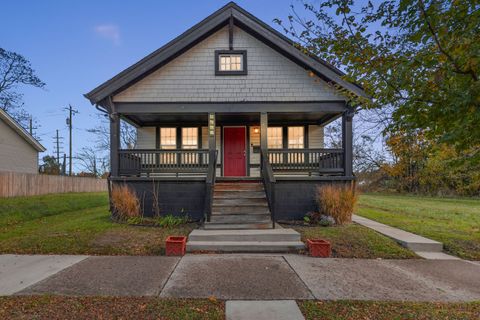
[(76, 45)]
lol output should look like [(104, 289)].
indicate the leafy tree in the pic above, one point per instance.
[(15, 70), (420, 58), (50, 166)]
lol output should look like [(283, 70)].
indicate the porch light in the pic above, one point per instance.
[(256, 130)]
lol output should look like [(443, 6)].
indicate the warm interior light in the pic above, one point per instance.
[(255, 130)]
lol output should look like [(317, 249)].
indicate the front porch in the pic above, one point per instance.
[(189, 151)]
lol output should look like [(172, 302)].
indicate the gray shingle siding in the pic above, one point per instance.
[(191, 77)]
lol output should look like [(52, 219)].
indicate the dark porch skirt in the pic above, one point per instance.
[(295, 198), (175, 197)]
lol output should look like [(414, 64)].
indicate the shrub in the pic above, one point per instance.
[(125, 202), (337, 202), (316, 218), (170, 221)]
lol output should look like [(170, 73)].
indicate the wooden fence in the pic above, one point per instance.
[(13, 184)]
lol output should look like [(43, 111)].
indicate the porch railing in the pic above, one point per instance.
[(210, 185), (269, 183), (321, 161), (146, 161)]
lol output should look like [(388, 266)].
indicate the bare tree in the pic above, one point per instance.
[(90, 162), (128, 138), (16, 70)]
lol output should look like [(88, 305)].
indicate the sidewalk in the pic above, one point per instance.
[(246, 277)]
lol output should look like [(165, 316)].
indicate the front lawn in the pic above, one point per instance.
[(361, 310), (355, 241), (76, 223), (454, 222), (58, 307)]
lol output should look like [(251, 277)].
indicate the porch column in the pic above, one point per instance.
[(212, 144), (347, 141), (114, 143), (263, 131)]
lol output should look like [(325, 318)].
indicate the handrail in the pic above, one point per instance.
[(210, 184), (269, 182)]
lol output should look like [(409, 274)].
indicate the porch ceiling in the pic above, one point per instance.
[(197, 119)]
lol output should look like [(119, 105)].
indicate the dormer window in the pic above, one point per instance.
[(230, 62)]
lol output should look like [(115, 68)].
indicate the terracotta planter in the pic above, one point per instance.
[(176, 245), (319, 248)]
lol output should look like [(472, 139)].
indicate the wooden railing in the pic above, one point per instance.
[(321, 161), (269, 181), (146, 161), (210, 185)]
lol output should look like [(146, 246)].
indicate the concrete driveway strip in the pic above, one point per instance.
[(410, 280), (20, 271), (109, 276), (237, 277)]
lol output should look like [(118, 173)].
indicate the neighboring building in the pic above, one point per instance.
[(18, 149), (230, 119)]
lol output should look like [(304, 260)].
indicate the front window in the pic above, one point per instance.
[(168, 141), (189, 138), (230, 62), (275, 138), (296, 137)]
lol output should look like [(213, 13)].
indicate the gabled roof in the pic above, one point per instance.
[(21, 131), (202, 30)]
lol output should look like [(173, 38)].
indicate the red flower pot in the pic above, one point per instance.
[(176, 246), (319, 248)]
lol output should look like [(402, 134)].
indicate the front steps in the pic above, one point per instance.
[(240, 222), (270, 240), (239, 205)]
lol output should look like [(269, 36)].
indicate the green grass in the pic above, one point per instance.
[(453, 221), (355, 241), (353, 310), (58, 307), (74, 224)]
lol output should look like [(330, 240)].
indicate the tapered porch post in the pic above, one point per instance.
[(347, 141), (114, 143)]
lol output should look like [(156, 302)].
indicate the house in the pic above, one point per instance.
[(230, 119), (18, 149)]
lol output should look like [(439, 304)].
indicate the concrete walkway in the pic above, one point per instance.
[(247, 277), (18, 272), (424, 247)]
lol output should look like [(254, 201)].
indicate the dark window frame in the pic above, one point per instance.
[(219, 72)]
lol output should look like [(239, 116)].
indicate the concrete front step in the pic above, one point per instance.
[(245, 246), (239, 194), (277, 234), (237, 226)]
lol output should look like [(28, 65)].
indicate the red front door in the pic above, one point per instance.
[(234, 152)]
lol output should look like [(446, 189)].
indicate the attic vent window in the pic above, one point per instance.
[(230, 62)]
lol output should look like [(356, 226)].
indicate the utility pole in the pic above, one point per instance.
[(58, 141), (72, 112), (31, 126)]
